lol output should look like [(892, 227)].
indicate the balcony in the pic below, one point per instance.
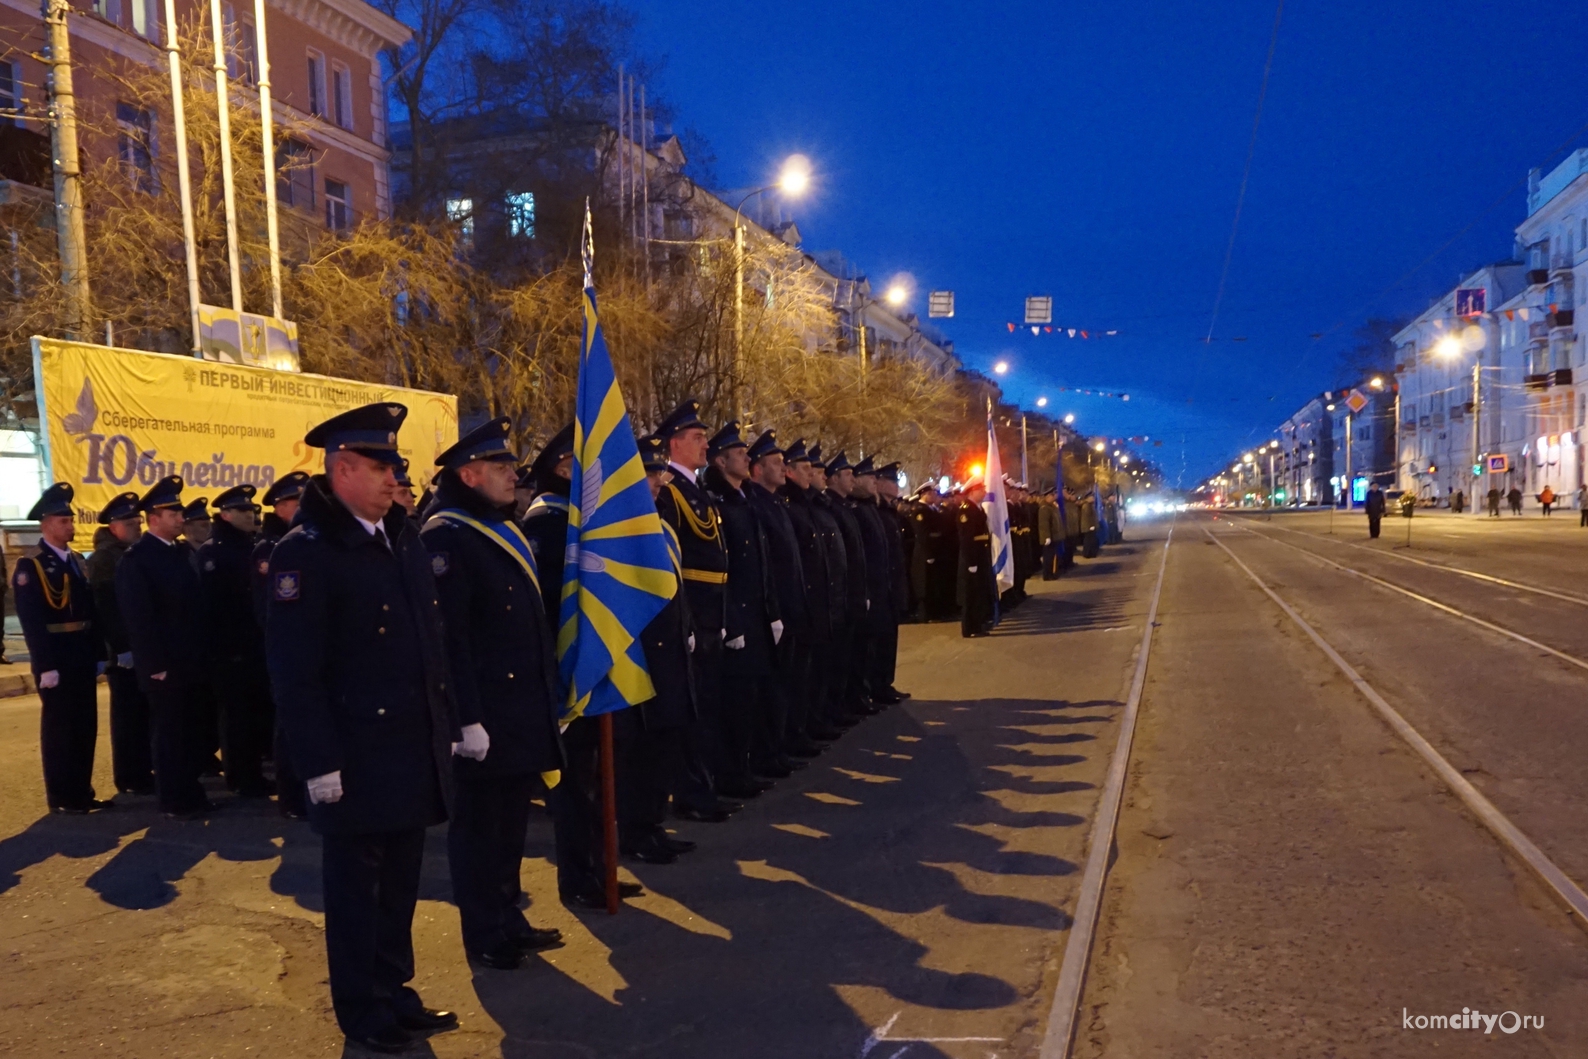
[(1560, 377), (1538, 329), (1535, 382), (1537, 277), (1562, 264), (1562, 318)]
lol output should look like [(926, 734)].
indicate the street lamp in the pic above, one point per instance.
[(1001, 368), (1448, 347), (1042, 402), (1069, 419), (793, 181), (896, 295)]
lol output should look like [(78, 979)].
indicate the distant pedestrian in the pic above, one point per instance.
[(1582, 505), (1546, 500), (1514, 498), (1458, 503), (1375, 509), (1494, 502)]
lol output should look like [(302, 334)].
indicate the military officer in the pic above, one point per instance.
[(978, 590), (504, 671), (158, 589), (238, 675), (405, 496), (853, 646), (1050, 531), (881, 622), (886, 658), (196, 524), (696, 522), (581, 865), (131, 741), (650, 737), (833, 667), (283, 497), (752, 630), (783, 745), (55, 607), (359, 672), (823, 564)]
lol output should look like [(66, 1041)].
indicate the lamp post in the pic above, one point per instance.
[(793, 181)]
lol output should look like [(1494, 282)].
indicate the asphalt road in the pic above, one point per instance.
[(909, 894), (1291, 879)]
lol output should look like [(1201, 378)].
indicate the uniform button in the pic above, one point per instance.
[(443, 685), (381, 712), (509, 606), (385, 606), (510, 588), (509, 676), (382, 630)]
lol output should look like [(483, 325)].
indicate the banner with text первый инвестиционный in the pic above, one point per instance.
[(118, 419)]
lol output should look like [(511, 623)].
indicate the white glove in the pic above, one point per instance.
[(50, 679), (735, 644), (970, 569), (868, 604), (475, 743), (725, 634), (124, 660), (691, 643), (157, 676), (326, 788), (777, 632)]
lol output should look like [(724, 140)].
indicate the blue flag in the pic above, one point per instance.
[(618, 574)]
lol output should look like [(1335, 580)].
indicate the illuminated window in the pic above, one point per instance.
[(521, 214)]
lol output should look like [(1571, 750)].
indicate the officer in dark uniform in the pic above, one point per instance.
[(131, 741), (649, 738), (697, 524), (55, 607), (791, 655), (282, 498), (753, 629), (574, 801), (238, 675), (504, 672), (978, 590), (158, 589), (358, 669), (885, 659), (196, 525), (854, 645), (815, 534), (881, 621), (196, 529), (832, 667), (405, 495)]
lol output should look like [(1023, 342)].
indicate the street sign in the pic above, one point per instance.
[(1471, 301), (1039, 309), (1356, 402), (247, 338), (1499, 464), (940, 304)]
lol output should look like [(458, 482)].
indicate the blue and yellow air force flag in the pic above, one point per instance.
[(997, 508), (618, 574)]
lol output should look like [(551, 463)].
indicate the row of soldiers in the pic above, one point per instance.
[(411, 665)]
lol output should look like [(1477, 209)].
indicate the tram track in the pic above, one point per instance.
[(1511, 836)]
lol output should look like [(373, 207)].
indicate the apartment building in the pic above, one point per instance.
[(325, 80)]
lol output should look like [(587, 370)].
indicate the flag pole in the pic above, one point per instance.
[(609, 791)]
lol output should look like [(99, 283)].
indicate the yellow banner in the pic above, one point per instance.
[(120, 419)]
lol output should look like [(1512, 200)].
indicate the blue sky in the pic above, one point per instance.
[(1094, 152)]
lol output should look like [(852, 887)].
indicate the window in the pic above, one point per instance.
[(521, 214), (338, 206), (342, 95), (146, 19), (317, 84), (242, 54), (295, 173), (10, 92), (135, 146), (461, 212), (109, 10)]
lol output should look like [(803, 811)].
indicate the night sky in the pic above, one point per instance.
[(1094, 151)]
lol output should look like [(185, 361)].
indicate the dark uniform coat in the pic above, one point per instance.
[(752, 603), (857, 581), (499, 645), (978, 589), (817, 536), (57, 615), (694, 517), (226, 575), (783, 555), (546, 526), (158, 588), (358, 667), (666, 644)]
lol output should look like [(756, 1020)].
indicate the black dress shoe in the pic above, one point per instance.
[(505, 957), (630, 889), (795, 764), (896, 691), (748, 788), (197, 812), (705, 816), (428, 1020), (775, 770), (886, 697), (651, 852), (807, 749), (824, 733), (537, 938), (594, 900), (729, 806), (393, 1040), (70, 810), (140, 792), (677, 845)]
